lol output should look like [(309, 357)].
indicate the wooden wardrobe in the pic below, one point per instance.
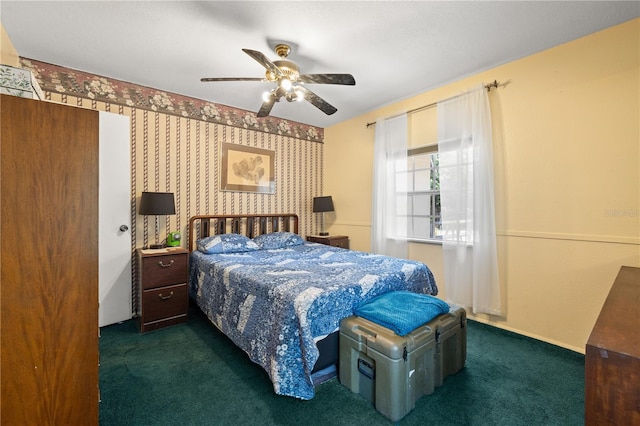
[(49, 263)]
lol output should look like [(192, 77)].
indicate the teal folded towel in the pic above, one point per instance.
[(402, 311)]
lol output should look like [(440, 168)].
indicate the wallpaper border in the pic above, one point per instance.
[(58, 79)]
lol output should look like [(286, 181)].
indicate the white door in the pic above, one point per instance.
[(114, 233)]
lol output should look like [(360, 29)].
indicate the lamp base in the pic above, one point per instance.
[(156, 246), (324, 234)]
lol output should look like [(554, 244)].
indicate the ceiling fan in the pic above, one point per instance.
[(289, 81)]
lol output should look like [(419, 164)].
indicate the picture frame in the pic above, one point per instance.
[(247, 169)]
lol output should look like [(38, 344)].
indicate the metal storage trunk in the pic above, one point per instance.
[(391, 371), (451, 339)]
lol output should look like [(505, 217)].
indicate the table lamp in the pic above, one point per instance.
[(156, 204), (322, 205)]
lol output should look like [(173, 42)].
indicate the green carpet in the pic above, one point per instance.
[(191, 374)]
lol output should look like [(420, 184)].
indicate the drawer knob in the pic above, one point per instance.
[(165, 297), (165, 265)]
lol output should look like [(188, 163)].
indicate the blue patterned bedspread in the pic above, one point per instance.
[(275, 304)]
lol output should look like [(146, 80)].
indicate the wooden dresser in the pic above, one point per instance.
[(612, 361), (163, 287)]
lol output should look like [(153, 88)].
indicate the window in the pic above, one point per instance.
[(422, 188)]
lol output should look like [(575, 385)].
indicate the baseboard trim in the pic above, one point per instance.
[(580, 350)]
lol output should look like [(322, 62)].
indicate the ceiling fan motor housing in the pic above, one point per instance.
[(289, 69)]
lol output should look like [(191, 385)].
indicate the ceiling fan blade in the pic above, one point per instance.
[(317, 101), (265, 108), (232, 79), (346, 79), (264, 61)]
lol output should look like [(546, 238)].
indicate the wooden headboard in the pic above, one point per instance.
[(250, 225)]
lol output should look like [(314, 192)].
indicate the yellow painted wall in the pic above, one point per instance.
[(8, 53), (566, 141)]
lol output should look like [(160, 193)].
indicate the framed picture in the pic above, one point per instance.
[(247, 169)]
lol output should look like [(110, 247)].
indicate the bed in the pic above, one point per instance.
[(280, 298)]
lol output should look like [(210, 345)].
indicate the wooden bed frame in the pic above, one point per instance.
[(250, 225)]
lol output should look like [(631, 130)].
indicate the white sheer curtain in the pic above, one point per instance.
[(389, 223), (467, 200)]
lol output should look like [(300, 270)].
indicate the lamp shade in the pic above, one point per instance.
[(322, 204), (157, 203)]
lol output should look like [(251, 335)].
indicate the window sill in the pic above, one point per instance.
[(424, 241)]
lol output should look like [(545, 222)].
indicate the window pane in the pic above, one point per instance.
[(423, 196), (401, 223), (421, 227), (401, 208), (401, 165), (422, 161), (435, 172), (402, 181), (437, 229), (423, 182), (436, 208), (409, 163), (421, 204)]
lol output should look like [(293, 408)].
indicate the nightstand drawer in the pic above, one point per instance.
[(163, 289), (159, 271), (165, 302)]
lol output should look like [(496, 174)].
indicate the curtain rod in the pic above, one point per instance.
[(495, 84)]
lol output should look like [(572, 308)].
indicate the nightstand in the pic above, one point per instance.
[(341, 241), (162, 284)]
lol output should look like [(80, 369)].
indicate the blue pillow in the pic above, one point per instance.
[(226, 243), (276, 240), (402, 311)]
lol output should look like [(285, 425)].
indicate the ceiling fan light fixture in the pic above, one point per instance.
[(271, 76), (295, 95), (267, 96), (286, 84)]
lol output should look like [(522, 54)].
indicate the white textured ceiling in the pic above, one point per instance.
[(394, 49)]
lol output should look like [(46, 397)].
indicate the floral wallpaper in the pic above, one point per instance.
[(58, 79)]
